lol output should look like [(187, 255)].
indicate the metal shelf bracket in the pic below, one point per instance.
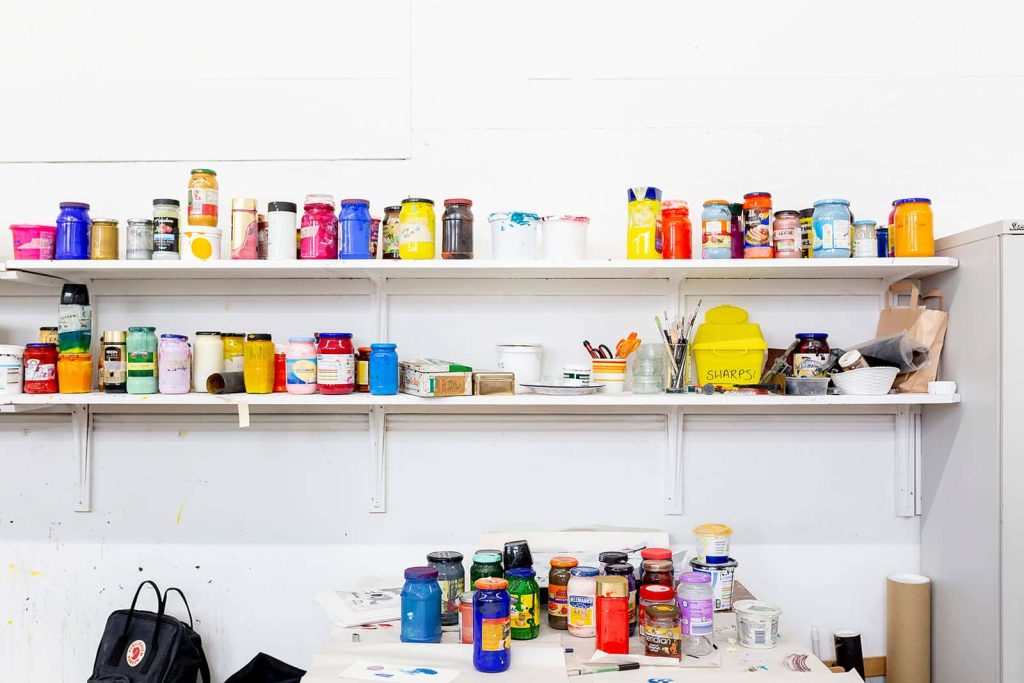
[(674, 462), (908, 461), (81, 438), (378, 451)]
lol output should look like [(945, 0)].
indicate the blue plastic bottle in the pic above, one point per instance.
[(421, 606), (383, 370), (832, 228), (73, 228), (492, 628), (716, 229), (354, 226)]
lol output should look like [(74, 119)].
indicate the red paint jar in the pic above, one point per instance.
[(612, 615), (335, 363), (280, 368), (657, 572), (675, 229), (40, 369)]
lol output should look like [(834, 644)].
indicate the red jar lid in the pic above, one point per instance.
[(449, 202), (656, 554), (655, 592)]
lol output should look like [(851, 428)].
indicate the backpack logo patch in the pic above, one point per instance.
[(136, 651)]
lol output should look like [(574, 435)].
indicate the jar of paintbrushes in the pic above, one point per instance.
[(677, 335)]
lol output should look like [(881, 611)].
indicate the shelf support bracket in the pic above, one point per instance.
[(379, 303), (378, 451), (81, 438), (674, 462), (908, 461)]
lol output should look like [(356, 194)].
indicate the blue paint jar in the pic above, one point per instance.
[(354, 226), (73, 228), (492, 627), (421, 606), (831, 223), (716, 229), (383, 370), (882, 233)]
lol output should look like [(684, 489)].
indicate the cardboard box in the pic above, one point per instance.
[(430, 377)]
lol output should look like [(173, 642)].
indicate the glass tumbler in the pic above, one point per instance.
[(649, 369)]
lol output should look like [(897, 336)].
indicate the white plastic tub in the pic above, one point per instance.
[(523, 360), (757, 624), (200, 243), (564, 238), (513, 235)]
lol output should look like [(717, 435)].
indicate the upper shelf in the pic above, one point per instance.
[(876, 268)]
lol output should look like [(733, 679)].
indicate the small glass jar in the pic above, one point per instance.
[(234, 351), (787, 236), (416, 229), (383, 369), (74, 373), (657, 571), (913, 233), (485, 563), (335, 363), (608, 557), (492, 640), (319, 228), (203, 192), (138, 241), (49, 335), (811, 355), (142, 371), (258, 365), (208, 358), (113, 362), (524, 594), (389, 233), (374, 237), (466, 618), (421, 595), (757, 225), (40, 362), (300, 366), (174, 363), (582, 590), (662, 636), (696, 608), (558, 591), (166, 229), (654, 594), (451, 578), (457, 229), (103, 239), (649, 369), (73, 225), (831, 222), (363, 369), (716, 230), (676, 229), (865, 239), (354, 227)]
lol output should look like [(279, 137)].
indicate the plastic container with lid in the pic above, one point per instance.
[(174, 364), (142, 370), (166, 229), (564, 238), (258, 363), (383, 369), (200, 244), (354, 229), (421, 606), (207, 358), (722, 574), (103, 239), (492, 641), (486, 563), (831, 222), (676, 230), (662, 636), (757, 225), (12, 369), (716, 230), (319, 228), (451, 578), (417, 226), (696, 607), (652, 594), (558, 591), (34, 242), (40, 369), (657, 571), (757, 624), (74, 373), (627, 571), (138, 239), (300, 366), (203, 195), (457, 229), (713, 542), (513, 235), (335, 363), (282, 221), (728, 349), (913, 227), (612, 615), (524, 594), (787, 236), (644, 222), (608, 557), (811, 355), (865, 239), (466, 618), (582, 590), (73, 225)]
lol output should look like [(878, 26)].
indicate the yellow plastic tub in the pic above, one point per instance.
[(728, 349)]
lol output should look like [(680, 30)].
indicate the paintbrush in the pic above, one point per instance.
[(629, 666), (668, 347)]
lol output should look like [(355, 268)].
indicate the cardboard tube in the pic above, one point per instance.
[(226, 383), (908, 629)]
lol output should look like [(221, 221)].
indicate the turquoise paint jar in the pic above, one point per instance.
[(831, 221), (142, 370), (383, 370), (421, 606)]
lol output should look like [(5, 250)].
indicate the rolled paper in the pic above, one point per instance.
[(226, 383), (908, 656)]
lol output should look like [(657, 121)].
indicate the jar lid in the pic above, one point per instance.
[(912, 200), (104, 220), (675, 205), (41, 345), (865, 222), (823, 202), (319, 199), (467, 597), (288, 207), (787, 213), (584, 571), (656, 554), (383, 346), (657, 565), (612, 586), (114, 336), (806, 213), (74, 295), (458, 201), (11, 350), (612, 557), (637, 193), (662, 610), (74, 205), (392, 208), (141, 328), (487, 556), (363, 349), (48, 328), (736, 209), (75, 357), (444, 556), (694, 577), (716, 529), (713, 202), (567, 218), (750, 195), (358, 202), (819, 336), (165, 201), (335, 335), (417, 200), (619, 569), (656, 591), (257, 336), (177, 337), (564, 561), (521, 573), (420, 573), (232, 334), (490, 583), (301, 340), (204, 170), (211, 334), (139, 221)]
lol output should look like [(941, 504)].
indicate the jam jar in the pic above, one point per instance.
[(812, 354)]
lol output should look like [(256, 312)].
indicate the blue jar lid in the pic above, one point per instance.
[(355, 202), (174, 337), (912, 200), (383, 347), (74, 205), (521, 573), (820, 336), (335, 335), (421, 573), (823, 202), (584, 571), (301, 339), (39, 345), (637, 193), (864, 222)]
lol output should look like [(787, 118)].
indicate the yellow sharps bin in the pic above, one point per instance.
[(729, 350)]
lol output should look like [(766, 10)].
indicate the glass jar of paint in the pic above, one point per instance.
[(865, 239), (466, 618), (245, 228), (166, 229), (786, 233), (653, 594), (524, 594), (611, 611), (558, 591), (319, 228), (736, 229), (389, 233), (644, 222), (40, 369), (174, 364), (113, 362), (457, 229), (258, 363), (300, 366), (234, 351), (810, 355), (142, 370), (416, 229), (757, 225), (676, 229), (655, 553), (582, 590), (280, 368), (138, 240), (608, 557), (485, 563), (49, 335), (103, 239), (383, 369), (451, 578), (203, 194), (207, 358), (662, 636), (74, 319), (913, 232), (831, 228), (335, 363), (492, 628), (363, 369), (421, 606), (656, 571), (696, 607), (627, 571), (74, 373), (716, 230), (73, 226), (807, 232), (354, 225)]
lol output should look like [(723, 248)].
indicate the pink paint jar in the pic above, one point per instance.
[(34, 242), (319, 229), (466, 618), (174, 363)]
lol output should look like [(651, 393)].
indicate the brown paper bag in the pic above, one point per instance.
[(924, 324)]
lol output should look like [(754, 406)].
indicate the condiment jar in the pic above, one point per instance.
[(208, 358), (258, 363), (608, 557), (103, 239), (335, 363), (582, 590), (524, 594), (696, 607), (457, 229), (612, 615), (421, 618), (174, 358), (913, 232), (138, 241), (466, 618), (716, 231), (114, 362), (662, 636), (558, 591), (142, 372), (40, 369), (813, 352), (492, 642), (416, 229), (300, 366), (786, 233), (656, 571), (737, 230), (485, 563), (363, 369), (865, 239), (652, 594), (389, 233), (757, 227), (166, 229), (626, 570), (203, 192), (831, 222), (451, 578)]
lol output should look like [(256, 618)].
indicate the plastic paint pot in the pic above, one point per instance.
[(200, 243), (514, 235), (11, 369), (722, 577), (611, 372), (757, 624), (713, 543), (34, 242), (564, 238), (523, 360)]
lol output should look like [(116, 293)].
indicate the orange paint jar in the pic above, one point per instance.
[(74, 373), (757, 225), (914, 232), (675, 229)]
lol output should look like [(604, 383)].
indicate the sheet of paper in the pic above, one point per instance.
[(349, 608), (364, 670)]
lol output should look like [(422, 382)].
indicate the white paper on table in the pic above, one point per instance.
[(350, 608), (712, 660), (397, 673)]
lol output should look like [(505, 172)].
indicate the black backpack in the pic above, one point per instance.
[(142, 647)]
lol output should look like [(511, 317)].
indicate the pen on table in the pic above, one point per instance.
[(630, 666)]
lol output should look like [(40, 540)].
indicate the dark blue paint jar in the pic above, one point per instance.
[(626, 569), (73, 228), (383, 369), (882, 233), (492, 628), (354, 226), (421, 606)]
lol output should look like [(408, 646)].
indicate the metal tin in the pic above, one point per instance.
[(114, 362), (494, 383)]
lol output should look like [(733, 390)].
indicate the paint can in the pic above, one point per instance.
[(11, 370), (524, 360), (713, 543), (514, 235), (722, 577), (200, 244), (757, 624), (564, 238)]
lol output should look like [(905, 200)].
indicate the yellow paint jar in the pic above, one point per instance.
[(416, 229), (103, 240), (234, 351), (74, 373), (644, 223), (258, 365)]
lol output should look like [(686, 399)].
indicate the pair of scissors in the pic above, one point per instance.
[(627, 346), (601, 351)]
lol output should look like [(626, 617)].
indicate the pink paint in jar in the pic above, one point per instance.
[(466, 618), (174, 364), (319, 229)]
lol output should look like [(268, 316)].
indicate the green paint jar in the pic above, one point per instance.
[(485, 563), (142, 372), (524, 594)]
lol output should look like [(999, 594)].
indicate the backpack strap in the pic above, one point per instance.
[(204, 666), (119, 646), (187, 609)]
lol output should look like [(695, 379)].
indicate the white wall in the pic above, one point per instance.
[(543, 106)]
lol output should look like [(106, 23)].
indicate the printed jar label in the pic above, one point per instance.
[(804, 365), (415, 230), (450, 592), (757, 228), (114, 370), (581, 610), (697, 617), (662, 642), (202, 202), (389, 237), (141, 364), (301, 370), (524, 611), (832, 234), (363, 372), (806, 234), (165, 235), (558, 601), (495, 634), (632, 607), (866, 247), (716, 235), (335, 368), (718, 546), (37, 371)]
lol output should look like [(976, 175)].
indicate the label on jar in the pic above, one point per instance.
[(632, 607), (335, 368), (300, 370), (831, 234), (716, 235), (141, 364), (581, 611), (806, 234), (363, 372), (524, 610), (558, 601), (697, 616), (451, 591), (662, 641), (165, 235), (389, 238), (38, 371), (495, 634), (202, 202), (787, 237), (114, 369), (415, 230), (757, 231), (866, 247), (808, 364)]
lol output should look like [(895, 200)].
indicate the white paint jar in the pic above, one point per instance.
[(523, 360), (207, 358), (564, 238), (11, 370), (281, 231), (199, 243), (513, 235)]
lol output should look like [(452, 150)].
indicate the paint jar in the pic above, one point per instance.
[(696, 609), (810, 356), (558, 591), (564, 238), (383, 370), (363, 369), (451, 578), (659, 572), (831, 228), (166, 229), (374, 237), (882, 235), (34, 242), (262, 237), (676, 230), (74, 319), (524, 596), (354, 229), (74, 373), (40, 369), (492, 630), (716, 235), (610, 372), (713, 543), (244, 228), (138, 240), (300, 365), (757, 624), (389, 233), (457, 229), (865, 239), (786, 233), (611, 615), (142, 372), (523, 360), (466, 618), (208, 358), (608, 557), (421, 606), (103, 239), (807, 232), (281, 226), (582, 591), (234, 351), (335, 363), (319, 228), (853, 360), (114, 362), (576, 374), (662, 636), (174, 364), (485, 563), (649, 369), (280, 368), (416, 229), (49, 335), (757, 225), (258, 364), (513, 235), (913, 231), (12, 370), (200, 244), (658, 554), (737, 230), (627, 571), (73, 225), (644, 222), (203, 196), (722, 577)]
